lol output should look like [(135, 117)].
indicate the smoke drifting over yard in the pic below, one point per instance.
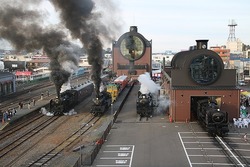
[(22, 23)]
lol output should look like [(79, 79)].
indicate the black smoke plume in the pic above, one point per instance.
[(22, 27), (85, 24)]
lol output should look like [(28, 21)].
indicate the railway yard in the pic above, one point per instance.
[(157, 142), (118, 138), (74, 92)]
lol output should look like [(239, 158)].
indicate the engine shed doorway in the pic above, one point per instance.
[(193, 106)]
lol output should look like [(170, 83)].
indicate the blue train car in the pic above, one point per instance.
[(79, 72)]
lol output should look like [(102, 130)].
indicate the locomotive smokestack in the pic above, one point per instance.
[(133, 29), (163, 64), (201, 44)]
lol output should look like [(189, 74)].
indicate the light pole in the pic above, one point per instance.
[(112, 111), (80, 131), (243, 70)]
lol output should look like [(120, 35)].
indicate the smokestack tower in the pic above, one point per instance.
[(232, 24), (201, 44)]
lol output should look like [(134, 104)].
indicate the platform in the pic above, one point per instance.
[(24, 112)]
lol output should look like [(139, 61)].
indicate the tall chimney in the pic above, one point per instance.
[(163, 64), (201, 44), (133, 28)]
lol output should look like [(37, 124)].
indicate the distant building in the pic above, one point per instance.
[(14, 62), (24, 62), (246, 53), (17, 57), (38, 61), (15, 65), (235, 46), (223, 52), (83, 62), (240, 62), (7, 83), (158, 57)]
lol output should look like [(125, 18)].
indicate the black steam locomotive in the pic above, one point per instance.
[(101, 103), (69, 98), (211, 117), (145, 105)]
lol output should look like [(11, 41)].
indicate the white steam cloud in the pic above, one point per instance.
[(148, 85)]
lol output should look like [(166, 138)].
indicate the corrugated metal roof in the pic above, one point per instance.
[(39, 61), (23, 73), (6, 74)]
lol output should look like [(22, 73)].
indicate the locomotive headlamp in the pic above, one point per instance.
[(204, 46)]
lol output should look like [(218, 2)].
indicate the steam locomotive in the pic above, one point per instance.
[(70, 98), (145, 105), (101, 103), (211, 117), (111, 91)]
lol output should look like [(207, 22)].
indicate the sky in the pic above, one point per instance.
[(175, 24)]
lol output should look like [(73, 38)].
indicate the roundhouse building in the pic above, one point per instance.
[(200, 73), (7, 83)]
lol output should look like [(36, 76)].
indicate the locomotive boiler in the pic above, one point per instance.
[(212, 119)]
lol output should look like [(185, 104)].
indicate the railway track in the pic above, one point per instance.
[(18, 126), (233, 156), (25, 155), (46, 157), (13, 144), (13, 158), (224, 149), (197, 139)]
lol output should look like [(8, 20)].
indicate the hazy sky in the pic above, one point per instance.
[(176, 24)]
